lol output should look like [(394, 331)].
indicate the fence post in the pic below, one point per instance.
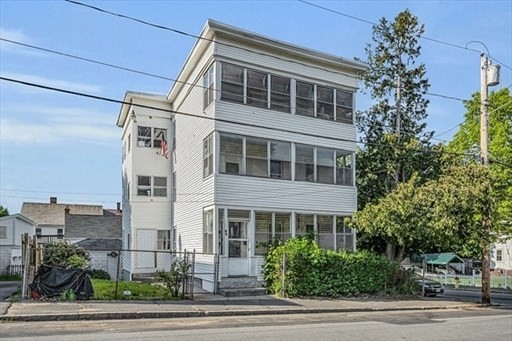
[(193, 274), (283, 274), (473, 278), (26, 265), (117, 273)]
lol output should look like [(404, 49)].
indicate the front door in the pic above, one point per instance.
[(238, 263), (146, 240)]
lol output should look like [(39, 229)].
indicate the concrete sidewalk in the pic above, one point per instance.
[(209, 305)]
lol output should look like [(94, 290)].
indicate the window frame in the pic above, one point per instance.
[(153, 140), (208, 87), (163, 243), (150, 189), (208, 229), (3, 232), (208, 151)]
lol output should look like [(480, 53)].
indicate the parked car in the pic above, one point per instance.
[(431, 287)]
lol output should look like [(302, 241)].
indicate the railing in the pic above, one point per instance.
[(497, 281)]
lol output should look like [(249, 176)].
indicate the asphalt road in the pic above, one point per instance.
[(7, 288), (474, 324), (476, 296)]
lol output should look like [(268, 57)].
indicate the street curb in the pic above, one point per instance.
[(4, 306), (185, 314)]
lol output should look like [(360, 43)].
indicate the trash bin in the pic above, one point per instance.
[(457, 282)]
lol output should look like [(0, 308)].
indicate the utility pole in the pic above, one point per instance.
[(484, 154)]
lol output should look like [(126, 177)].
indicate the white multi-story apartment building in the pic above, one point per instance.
[(261, 142)]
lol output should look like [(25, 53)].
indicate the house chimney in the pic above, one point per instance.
[(118, 207), (53, 200)]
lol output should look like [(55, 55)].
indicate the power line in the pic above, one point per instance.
[(372, 23), (111, 100)]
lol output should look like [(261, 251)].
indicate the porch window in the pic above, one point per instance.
[(163, 241), (232, 83), (344, 107), (256, 157), (305, 225), (231, 154), (280, 93), (263, 233), (305, 99), (280, 159), (208, 156), (344, 235), (325, 165), (344, 168), (208, 231), (283, 226), (257, 89), (325, 236), (208, 81), (325, 103), (304, 163)]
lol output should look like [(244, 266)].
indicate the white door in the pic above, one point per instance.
[(146, 240), (238, 262)]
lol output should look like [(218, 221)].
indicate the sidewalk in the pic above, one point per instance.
[(209, 305)]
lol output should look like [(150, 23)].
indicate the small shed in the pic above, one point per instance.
[(446, 260)]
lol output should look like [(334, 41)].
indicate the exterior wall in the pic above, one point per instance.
[(193, 192), (15, 228), (506, 254), (5, 258)]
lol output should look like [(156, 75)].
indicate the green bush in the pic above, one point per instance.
[(99, 274), (175, 278), (312, 271), (65, 255)]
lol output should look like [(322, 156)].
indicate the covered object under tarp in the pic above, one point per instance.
[(52, 282)]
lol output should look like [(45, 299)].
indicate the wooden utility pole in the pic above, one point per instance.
[(484, 154)]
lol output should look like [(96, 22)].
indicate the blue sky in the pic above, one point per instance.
[(54, 144)]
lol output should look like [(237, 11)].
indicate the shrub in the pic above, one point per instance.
[(61, 255), (175, 278), (312, 271), (99, 274)]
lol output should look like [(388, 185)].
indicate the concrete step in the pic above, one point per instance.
[(243, 292), (145, 278), (239, 282)]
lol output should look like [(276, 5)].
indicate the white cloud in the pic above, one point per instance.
[(17, 131), (56, 83), (63, 114), (18, 36)]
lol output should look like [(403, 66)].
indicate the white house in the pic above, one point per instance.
[(11, 229), (501, 255), (261, 140)]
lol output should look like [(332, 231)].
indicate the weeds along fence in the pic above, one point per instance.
[(191, 272)]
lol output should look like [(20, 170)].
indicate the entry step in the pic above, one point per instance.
[(243, 292)]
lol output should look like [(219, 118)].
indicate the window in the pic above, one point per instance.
[(208, 81), (221, 229), (151, 186), (38, 232), (280, 159), (305, 99), (499, 255), (256, 157), (325, 165), (283, 226), (174, 193), (208, 231), (325, 103), (280, 93), (344, 106), (325, 236), (144, 136), (208, 156), (257, 89), (344, 168), (304, 163), (3, 232), (344, 235), (263, 231), (144, 185), (305, 225), (150, 137), (160, 186), (60, 232), (163, 241), (231, 154), (232, 83)]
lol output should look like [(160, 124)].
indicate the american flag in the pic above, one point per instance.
[(163, 148)]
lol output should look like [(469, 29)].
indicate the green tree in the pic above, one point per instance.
[(467, 140), (393, 130), (438, 215), (3, 211)]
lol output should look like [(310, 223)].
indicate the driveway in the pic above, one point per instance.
[(7, 288)]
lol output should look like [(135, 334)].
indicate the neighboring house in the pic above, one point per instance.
[(501, 256), (98, 234), (50, 217), (254, 142), (11, 229)]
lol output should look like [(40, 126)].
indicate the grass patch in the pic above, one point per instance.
[(4, 278), (105, 290)]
